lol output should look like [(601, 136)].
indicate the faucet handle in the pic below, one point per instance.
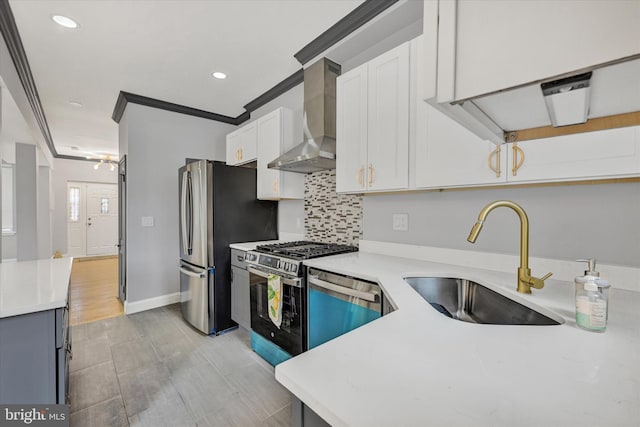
[(538, 283)]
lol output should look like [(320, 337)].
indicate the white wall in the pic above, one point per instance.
[(26, 202), (44, 212), (9, 247), (156, 143), (567, 222), (71, 170)]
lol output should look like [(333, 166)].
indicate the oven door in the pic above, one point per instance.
[(290, 336)]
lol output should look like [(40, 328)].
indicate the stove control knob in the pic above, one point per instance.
[(278, 264), (285, 266), (294, 268)]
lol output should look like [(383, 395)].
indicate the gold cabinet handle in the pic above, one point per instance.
[(495, 153), (360, 176), (275, 186), (517, 163), (370, 174), (241, 154)]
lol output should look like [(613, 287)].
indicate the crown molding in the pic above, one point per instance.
[(354, 20), (11, 36), (126, 97)]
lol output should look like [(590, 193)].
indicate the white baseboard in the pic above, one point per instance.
[(149, 303), (619, 276)]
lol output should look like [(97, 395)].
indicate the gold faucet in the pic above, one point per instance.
[(525, 280)]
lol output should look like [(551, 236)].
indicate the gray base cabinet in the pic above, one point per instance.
[(303, 416), (35, 350), (240, 290)]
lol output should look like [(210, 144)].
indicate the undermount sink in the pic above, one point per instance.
[(469, 301)]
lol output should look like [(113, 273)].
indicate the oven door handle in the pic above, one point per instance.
[(367, 296), (285, 280)]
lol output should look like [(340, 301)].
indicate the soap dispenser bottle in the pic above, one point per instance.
[(592, 299)]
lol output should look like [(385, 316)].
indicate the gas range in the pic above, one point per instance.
[(287, 257)]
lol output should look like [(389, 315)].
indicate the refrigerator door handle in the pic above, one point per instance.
[(190, 216), (193, 273), (183, 214)]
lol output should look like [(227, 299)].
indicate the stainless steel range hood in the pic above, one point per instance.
[(318, 149)]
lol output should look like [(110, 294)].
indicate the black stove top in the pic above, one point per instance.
[(302, 250)]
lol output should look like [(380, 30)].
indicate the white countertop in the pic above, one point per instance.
[(416, 367), (31, 286)]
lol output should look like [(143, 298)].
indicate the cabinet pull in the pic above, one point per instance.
[(517, 163), (360, 176), (495, 153), (241, 154), (370, 174), (275, 187)]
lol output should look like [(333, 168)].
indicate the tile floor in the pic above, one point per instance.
[(152, 369)]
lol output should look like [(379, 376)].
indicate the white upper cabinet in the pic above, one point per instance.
[(613, 153), (373, 124), (490, 45), (242, 145), (445, 154), (275, 135), (351, 130)]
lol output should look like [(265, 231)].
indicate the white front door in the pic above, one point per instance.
[(102, 219), (92, 219)]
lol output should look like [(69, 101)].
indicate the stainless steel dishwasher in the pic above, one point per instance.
[(338, 304)]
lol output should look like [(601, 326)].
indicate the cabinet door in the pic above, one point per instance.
[(269, 148), (489, 45), (603, 154), (445, 154), (351, 130), (448, 155), (240, 298), (241, 145), (388, 120)]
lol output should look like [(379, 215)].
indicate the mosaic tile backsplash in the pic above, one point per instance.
[(328, 216)]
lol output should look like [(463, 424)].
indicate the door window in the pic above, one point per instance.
[(104, 206), (74, 204)]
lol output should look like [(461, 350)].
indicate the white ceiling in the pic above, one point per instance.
[(161, 49)]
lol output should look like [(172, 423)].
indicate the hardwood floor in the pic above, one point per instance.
[(94, 290)]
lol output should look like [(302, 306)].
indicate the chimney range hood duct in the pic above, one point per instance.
[(317, 151)]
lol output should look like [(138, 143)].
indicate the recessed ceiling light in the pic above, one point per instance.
[(75, 103), (219, 75), (64, 21)]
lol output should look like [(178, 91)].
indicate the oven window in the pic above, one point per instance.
[(290, 306)]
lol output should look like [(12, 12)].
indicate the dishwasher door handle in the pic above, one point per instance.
[(367, 296)]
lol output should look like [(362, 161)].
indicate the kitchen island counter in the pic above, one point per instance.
[(416, 367), (32, 286)]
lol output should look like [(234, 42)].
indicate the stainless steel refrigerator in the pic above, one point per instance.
[(218, 206)]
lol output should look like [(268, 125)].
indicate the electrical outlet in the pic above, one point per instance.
[(400, 222), (147, 221)]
